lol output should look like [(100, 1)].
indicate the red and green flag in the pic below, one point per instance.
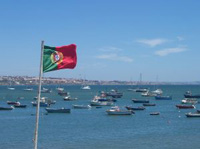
[(55, 58)]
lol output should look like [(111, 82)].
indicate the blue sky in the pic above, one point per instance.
[(116, 39)]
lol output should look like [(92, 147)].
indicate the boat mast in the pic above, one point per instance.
[(38, 100), (140, 78)]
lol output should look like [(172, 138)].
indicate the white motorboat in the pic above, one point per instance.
[(58, 110), (81, 106), (68, 98), (86, 87), (192, 114), (60, 89), (100, 103), (148, 94), (116, 111), (157, 91), (189, 101), (11, 88)]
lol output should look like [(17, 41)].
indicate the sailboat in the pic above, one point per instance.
[(141, 89), (157, 91), (131, 88), (10, 87)]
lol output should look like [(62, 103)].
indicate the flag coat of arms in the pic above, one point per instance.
[(55, 58)]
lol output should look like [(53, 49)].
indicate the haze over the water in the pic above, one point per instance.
[(116, 40)]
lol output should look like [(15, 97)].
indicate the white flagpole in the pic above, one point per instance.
[(39, 94)]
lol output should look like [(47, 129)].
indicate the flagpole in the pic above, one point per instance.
[(39, 94)]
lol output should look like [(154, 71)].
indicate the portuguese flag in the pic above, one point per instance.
[(55, 58)]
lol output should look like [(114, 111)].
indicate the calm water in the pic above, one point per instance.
[(89, 129)]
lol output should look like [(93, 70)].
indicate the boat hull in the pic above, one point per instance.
[(6, 108), (155, 113), (12, 102), (68, 98), (149, 104), (20, 106), (101, 103), (81, 106), (163, 97), (140, 101), (192, 96), (135, 108), (62, 110), (119, 112), (185, 106), (192, 114)]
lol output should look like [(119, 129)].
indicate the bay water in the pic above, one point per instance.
[(93, 128)]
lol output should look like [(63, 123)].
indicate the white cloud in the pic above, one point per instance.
[(152, 42), (115, 57), (168, 51), (110, 49)]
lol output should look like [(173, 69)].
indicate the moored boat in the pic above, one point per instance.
[(192, 114), (86, 87), (185, 106), (131, 89), (11, 88), (135, 108), (189, 101), (28, 89), (60, 89), (157, 91), (140, 101), (62, 93), (149, 104), (107, 99), (20, 106), (101, 103), (42, 104), (104, 98), (41, 98), (58, 110), (148, 94), (141, 90), (68, 98), (117, 111), (6, 108), (188, 94), (13, 102), (155, 113), (45, 90), (114, 94), (81, 106), (163, 97)]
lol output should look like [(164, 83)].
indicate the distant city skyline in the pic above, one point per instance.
[(28, 80), (116, 40)]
